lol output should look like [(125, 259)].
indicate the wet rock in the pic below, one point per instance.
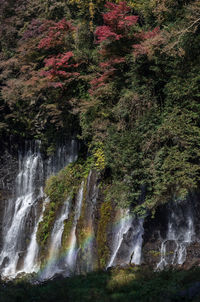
[(4, 262), (20, 262), (176, 225), (151, 252), (193, 256), (8, 172)]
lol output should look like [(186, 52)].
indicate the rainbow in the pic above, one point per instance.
[(62, 255)]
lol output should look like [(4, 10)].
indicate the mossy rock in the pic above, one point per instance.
[(46, 225), (68, 224), (58, 187), (105, 221)]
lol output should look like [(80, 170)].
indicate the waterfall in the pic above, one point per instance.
[(121, 229), (88, 248), (55, 263), (30, 261), (128, 239), (21, 213), (24, 210), (180, 233), (136, 254), (72, 250)]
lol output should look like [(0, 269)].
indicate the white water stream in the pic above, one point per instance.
[(123, 227), (181, 232), (136, 254), (72, 251), (55, 263), (128, 239), (24, 210)]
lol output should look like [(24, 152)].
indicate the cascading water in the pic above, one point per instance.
[(180, 233), (87, 252), (121, 229), (55, 264), (72, 250), (30, 262), (67, 261), (128, 240), (70, 253), (21, 214), (24, 210), (136, 254)]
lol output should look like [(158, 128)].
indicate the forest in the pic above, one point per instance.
[(123, 76)]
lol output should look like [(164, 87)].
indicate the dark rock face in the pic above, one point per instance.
[(193, 255), (151, 252), (172, 237), (130, 249), (8, 172)]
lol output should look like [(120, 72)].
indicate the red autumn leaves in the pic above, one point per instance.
[(59, 68), (117, 22), (118, 37)]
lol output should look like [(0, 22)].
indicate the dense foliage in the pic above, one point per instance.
[(130, 284), (124, 75)]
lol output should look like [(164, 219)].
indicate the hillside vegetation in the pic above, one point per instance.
[(129, 284)]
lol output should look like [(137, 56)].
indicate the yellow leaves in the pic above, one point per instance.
[(130, 3), (86, 7), (92, 12), (99, 157), (89, 7)]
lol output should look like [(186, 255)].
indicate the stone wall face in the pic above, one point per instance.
[(8, 172), (174, 234), (171, 238)]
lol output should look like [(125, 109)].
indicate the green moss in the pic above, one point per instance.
[(65, 183), (154, 253), (58, 188), (106, 211), (46, 225), (67, 230)]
